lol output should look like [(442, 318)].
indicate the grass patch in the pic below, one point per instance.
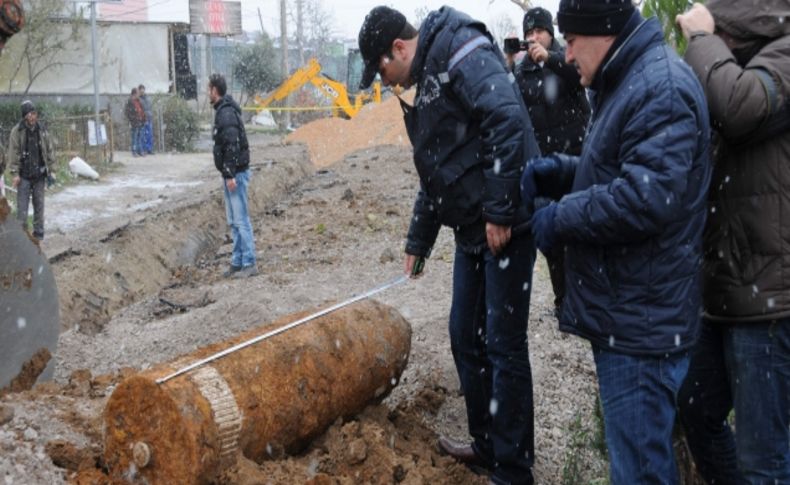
[(585, 438)]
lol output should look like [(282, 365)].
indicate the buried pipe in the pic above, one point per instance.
[(265, 399)]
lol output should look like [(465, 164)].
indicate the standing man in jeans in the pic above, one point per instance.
[(741, 54), (232, 159), (631, 224), (471, 136), (147, 138), (136, 117), (31, 162)]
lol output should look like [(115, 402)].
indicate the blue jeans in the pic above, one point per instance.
[(746, 367), (147, 138), (26, 190), (239, 221), (137, 140), (638, 396), (488, 337)]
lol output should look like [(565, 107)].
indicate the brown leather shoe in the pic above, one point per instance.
[(463, 453)]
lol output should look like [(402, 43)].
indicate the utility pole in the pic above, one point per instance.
[(300, 30), (260, 19), (95, 74), (284, 46), (95, 60)]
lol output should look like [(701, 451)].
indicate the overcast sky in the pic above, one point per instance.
[(348, 14)]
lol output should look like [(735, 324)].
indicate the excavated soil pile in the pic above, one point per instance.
[(331, 139)]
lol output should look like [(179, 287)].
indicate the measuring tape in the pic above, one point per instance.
[(397, 281)]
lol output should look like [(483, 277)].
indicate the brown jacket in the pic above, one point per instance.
[(747, 236)]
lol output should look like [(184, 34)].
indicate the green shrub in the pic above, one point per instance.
[(11, 114), (181, 124)]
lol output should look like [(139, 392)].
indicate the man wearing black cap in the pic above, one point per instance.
[(631, 226), (31, 162), (471, 136), (557, 106)]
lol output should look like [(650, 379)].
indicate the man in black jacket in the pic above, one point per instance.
[(232, 159), (471, 136), (557, 106)]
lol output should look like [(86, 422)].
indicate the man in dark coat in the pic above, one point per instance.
[(471, 136), (136, 116), (631, 226), (147, 135), (31, 161), (741, 54), (232, 160), (557, 106)]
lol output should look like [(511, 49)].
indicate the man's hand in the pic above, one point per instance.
[(230, 184), (543, 167), (497, 237), (15, 182), (409, 262), (510, 59), (697, 19), (537, 53), (543, 227)]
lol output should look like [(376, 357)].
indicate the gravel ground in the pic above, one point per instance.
[(321, 236)]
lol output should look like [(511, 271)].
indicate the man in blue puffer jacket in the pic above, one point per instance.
[(471, 136), (631, 225)]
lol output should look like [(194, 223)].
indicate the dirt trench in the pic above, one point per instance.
[(119, 264)]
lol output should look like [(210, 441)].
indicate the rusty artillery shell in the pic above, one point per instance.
[(271, 397)]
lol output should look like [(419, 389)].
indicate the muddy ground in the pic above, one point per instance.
[(140, 282)]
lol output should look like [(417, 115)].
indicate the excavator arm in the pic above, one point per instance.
[(295, 82), (342, 105)]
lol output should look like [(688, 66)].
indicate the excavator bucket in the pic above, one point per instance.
[(29, 320)]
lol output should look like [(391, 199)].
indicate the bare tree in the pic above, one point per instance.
[(51, 28), (523, 4), (318, 27), (419, 15), (300, 29), (502, 27)]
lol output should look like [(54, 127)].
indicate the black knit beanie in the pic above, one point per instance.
[(538, 18), (27, 107), (594, 17)]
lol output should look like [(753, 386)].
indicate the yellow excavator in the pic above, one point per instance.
[(336, 91)]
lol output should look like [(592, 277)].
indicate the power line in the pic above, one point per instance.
[(128, 12)]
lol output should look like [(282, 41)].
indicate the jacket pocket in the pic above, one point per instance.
[(459, 187)]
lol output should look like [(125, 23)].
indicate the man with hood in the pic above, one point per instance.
[(740, 52), (471, 136), (232, 159), (631, 226), (31, 163), (557, 106)]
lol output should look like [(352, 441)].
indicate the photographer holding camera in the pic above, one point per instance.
[(556, 102)]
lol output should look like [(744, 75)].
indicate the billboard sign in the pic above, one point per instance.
[(215, 17)]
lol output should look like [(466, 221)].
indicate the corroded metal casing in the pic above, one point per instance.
[(268, 398)]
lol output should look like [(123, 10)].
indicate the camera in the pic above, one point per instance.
[(514, 45)]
